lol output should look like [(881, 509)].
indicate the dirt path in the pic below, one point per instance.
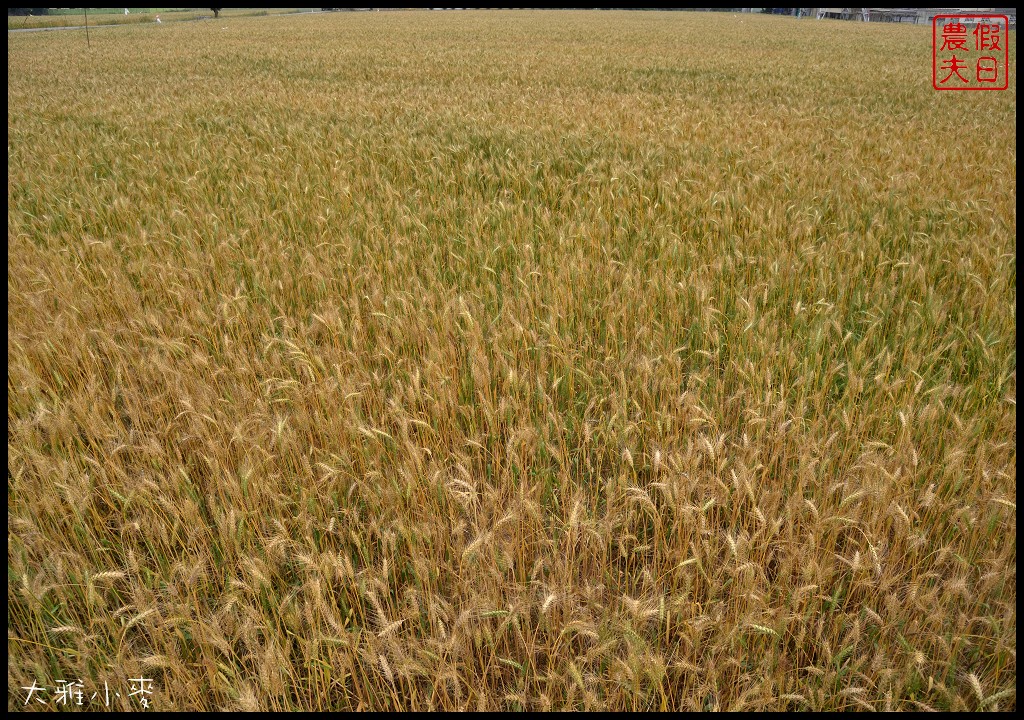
[(96, 27)]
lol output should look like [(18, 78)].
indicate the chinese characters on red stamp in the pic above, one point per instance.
[(970, 52)]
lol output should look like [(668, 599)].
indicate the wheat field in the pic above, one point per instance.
[(510, 360)]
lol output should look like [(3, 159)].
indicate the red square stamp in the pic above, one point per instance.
[(970, 52)]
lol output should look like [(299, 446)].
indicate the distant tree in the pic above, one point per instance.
[(216, 12)]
